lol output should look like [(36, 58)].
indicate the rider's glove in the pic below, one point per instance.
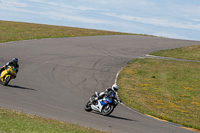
[(96, 98)]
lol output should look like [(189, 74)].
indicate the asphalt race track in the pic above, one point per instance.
[(57, 77)]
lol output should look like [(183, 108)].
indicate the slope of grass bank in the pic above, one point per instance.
[(166, 89), (13, 122), (15, 31)]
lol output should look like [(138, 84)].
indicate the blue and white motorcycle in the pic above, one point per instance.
[(105, 105)]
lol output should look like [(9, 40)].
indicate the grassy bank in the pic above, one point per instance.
[(14, 31), (166, 89), (13, 122), (190, 53)]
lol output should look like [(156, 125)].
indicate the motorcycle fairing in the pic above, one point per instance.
[(105, 101), (97, 107), (10, 71), (101, 104)]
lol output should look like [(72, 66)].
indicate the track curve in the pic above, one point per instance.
[(57, 77)]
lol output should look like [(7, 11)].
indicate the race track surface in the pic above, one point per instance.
[(57, 77)]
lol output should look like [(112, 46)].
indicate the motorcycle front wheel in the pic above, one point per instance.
[(88, 107), (6, 80), (108, 109)]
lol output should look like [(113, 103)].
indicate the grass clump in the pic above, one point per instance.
[(12, 122), (190, 53)]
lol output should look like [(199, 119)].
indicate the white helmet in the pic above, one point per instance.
[(114, 88)]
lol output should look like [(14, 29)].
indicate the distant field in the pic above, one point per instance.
[(14, 31), (166, 89)]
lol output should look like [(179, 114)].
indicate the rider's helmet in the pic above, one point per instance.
[(15, 60), (114, 88)]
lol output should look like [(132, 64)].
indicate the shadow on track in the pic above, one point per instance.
[(20, 87), (116, 117), (122, 118)]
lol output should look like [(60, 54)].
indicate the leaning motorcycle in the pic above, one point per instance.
[(105, 105), (8, 74)]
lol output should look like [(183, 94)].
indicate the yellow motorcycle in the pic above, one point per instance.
[(8, 74)]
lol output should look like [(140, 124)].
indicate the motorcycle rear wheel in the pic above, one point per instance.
[(107, 110), (88, 107)]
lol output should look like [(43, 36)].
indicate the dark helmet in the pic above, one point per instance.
[(15, 60)]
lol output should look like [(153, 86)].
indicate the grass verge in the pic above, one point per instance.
[(190, 53), (166, 89), (15, 31), (12, 122)]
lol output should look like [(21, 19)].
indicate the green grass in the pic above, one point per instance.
[(14, 122), (166, 89), (14, 31), (190, 53)]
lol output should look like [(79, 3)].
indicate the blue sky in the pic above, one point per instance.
[(168, 18)]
